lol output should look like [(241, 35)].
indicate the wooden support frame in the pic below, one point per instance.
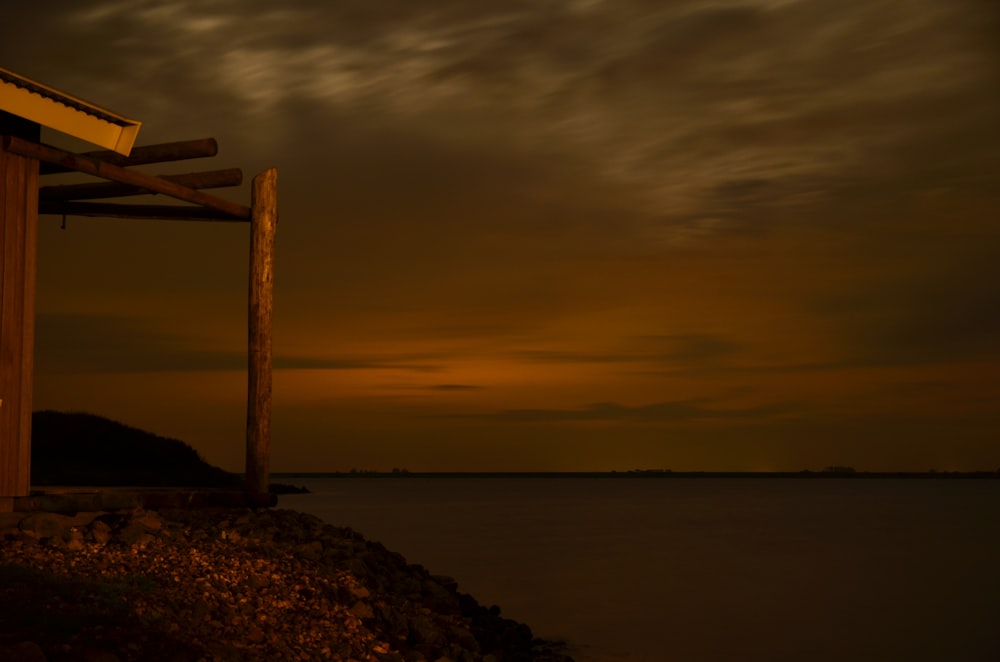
[(99, 190), (26, 106), (18, 241), (181, 150), (263, 225), (72, 200), (117, 210), (118, 174)]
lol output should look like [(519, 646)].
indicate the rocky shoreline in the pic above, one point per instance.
[(221, 584)]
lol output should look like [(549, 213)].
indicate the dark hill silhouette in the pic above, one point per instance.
[(84, 449)]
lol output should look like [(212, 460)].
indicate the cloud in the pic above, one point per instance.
[(651, 352), (680, 411), (99, 343), (676, 104), (454, 387), (946, 313), (694, 348), (564, 356), (405, 363)]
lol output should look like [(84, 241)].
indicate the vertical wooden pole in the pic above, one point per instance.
[(263, 223), (18, 250)]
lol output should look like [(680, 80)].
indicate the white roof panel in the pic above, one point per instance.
[(65, 113)]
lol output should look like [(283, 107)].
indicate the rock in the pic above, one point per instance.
[(231, 536), (134, 534), (76, 540), (136, 529), (26, 651), (439, 597), (99, 531), (448, 583), (311, 550), (148, 519), (96, 655), (362, 610), (279, 585), (113, 520), (46, 525), (464, 637), (10, 521), (425, 631)]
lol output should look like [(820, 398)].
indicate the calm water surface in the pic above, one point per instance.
[(704, 569)]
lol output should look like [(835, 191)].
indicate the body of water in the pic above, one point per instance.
[(704, 569)]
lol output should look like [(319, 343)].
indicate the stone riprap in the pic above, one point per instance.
[(231, 584)]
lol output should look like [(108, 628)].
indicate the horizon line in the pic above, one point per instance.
[(821, 473)]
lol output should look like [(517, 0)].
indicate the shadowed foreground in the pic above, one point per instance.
[(225, 584)]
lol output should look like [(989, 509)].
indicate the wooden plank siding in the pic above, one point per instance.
[(18, 251)]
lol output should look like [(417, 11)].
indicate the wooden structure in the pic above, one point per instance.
[(26, 106)]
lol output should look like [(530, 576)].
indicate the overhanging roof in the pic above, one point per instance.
[(65, 113)]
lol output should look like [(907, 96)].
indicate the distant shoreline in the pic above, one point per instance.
[(651, 474)]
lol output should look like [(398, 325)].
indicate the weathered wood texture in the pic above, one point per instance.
[(161, 153), (18, 242), (263, 224), (118, 174), (115, 210), (98, 190)]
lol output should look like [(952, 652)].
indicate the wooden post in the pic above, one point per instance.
[(263, 223), (18, 246)]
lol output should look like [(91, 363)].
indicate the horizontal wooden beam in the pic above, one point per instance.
[(91, 166), (113, 210), (93, 191), (145, 154)]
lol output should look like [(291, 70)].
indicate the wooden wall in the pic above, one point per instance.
[(18, 243)]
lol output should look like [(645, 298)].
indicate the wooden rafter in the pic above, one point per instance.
[(146, 154), (117, 210), (92, 166), (99, 190)]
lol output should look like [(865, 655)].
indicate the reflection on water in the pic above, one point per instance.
[(704, 569)]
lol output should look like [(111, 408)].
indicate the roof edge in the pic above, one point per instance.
[(66, 113)]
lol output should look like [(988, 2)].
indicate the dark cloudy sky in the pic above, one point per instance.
[(552, 235)]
